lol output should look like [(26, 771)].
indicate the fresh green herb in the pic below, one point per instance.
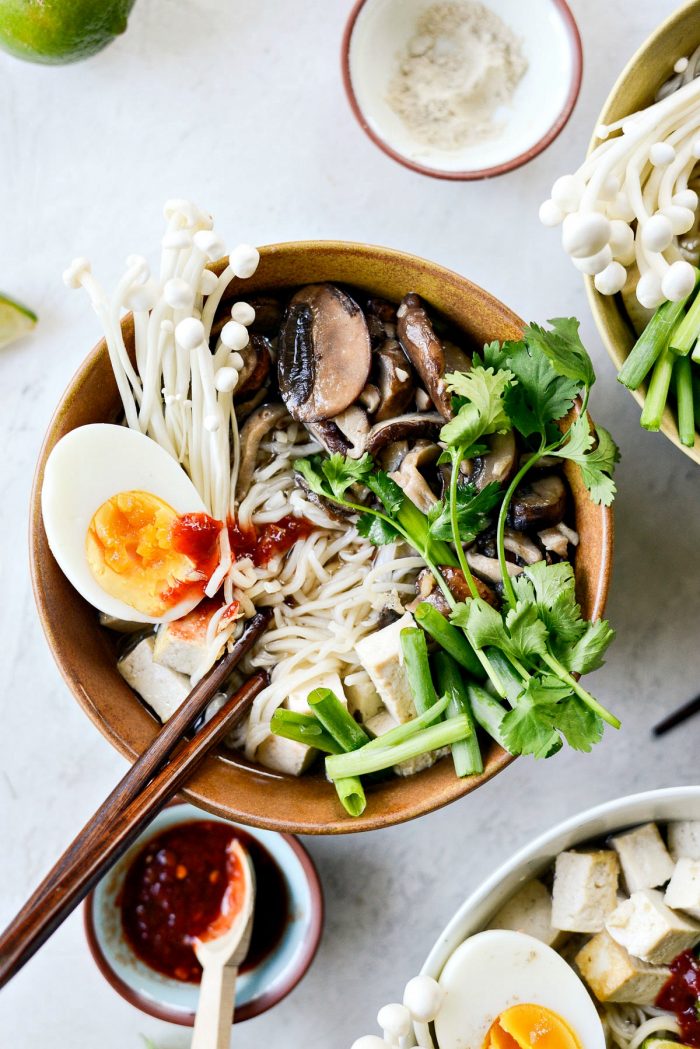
[(466, 753), (596, 460), (473, 510), (562, 345)]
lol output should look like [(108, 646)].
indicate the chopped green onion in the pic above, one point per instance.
[(352, 795), (684, 397), (686, 332), (415, 657), (449, 638), (655, 400), (650, 344), (409, 728), (466, 754), (487, 712), (336, 720), (366, 760), (303, 728)]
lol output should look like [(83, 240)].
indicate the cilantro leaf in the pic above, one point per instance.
[(387, 491), (342, 472), (562, 345), (588, 650), (378, 531), (484, 388), (473, 512), (581, 728), (553, 590), (310, 470), (597, 464), (521, 636), (529, 727), (528, 634), (540, 396)]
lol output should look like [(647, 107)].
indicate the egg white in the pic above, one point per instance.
[(87, 467), (496, 969)]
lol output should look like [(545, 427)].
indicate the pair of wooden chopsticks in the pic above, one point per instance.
[(150, 783)]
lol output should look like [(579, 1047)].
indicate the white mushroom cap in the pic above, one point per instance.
[(370, 1041), (661, 154), (686, 198), (235, 335), (595, 263), (612, 279), (657, 233), (678, 281), (178, 293), (649, 291), (243, 313), (423, 998), (680, 65), (73, 275), (244, 260), (140, 265), (567, 192), (584, 235), (210, 243), (226, 379), (236, 361), (394, 1020), (622, 241), (207, 282), (681, 218), (141, 297), (190, 333), (550, 213)]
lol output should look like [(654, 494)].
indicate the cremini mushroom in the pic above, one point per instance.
[(329, 436), (394, 381), (403, 427), (354, 424), (498, 464), (489, 568), (255, 428), (427, 589), (538, 504), (370, 398), (522, 547), (324, 353), (256, 368), (411, 480), (390, 456), (424, 350), (381, 320), (556, 540)]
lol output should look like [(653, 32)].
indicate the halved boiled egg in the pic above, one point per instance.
[(506, 990), (126, 525)]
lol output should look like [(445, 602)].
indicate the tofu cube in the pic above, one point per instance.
[(650, 930), (684, 839), (644, 858), (585, 890), (615, 976), (182, 645), (683, 892), (363, 699), (381, 656), (382, 723), (162, 688), (530, 911), (298, 699), (285, 755)]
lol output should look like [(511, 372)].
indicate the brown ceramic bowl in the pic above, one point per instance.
[(228, 785), (635, 88)]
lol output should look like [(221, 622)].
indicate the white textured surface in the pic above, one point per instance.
[(240, 106)]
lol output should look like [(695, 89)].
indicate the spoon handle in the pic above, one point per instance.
[(217, 998)]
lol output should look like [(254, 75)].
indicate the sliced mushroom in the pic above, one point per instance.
[(489, 568), (428, 590), (256, 370), (521, 547), (556, 540), (269, 311), (411, 480), (456, 360), (498, 464), (403, 427), (255, 428), (424, 350), (324, 353), (538, 504), (391, 456), (381, 320), (370, 398), (329, 436), (354, 424), (394, 381), (245, 408)]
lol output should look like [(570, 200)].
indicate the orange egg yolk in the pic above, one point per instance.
[(525, 1026), (135, 551)]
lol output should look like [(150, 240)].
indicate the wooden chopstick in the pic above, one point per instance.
[(677, 717), (143, 791)]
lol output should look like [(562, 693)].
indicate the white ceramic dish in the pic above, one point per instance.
[(474, 914), (378, 31)]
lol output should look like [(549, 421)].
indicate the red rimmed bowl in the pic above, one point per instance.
[(227, 784), (259, 988), (378, 31)]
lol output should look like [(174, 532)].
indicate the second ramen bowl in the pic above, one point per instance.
[(228, 785)]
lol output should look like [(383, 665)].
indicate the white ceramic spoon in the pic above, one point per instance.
[(220, 951)]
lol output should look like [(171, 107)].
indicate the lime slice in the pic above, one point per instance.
[(16, 320), (59, 31)]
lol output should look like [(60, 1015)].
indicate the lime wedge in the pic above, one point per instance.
[(16, 320)]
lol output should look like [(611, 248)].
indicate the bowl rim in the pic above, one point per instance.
[(669, 426), (475, 174), (518, 861), (200, 796), (256, 1007)]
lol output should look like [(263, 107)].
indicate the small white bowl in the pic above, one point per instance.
[(378, 31), (670, 803)]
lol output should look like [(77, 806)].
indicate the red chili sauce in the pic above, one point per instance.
[(174, 889), (681, 995), (197, 537), (262, 545)]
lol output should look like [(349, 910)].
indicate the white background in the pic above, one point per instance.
[(240, 106)]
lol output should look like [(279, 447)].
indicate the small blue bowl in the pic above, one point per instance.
[(258, 989)]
